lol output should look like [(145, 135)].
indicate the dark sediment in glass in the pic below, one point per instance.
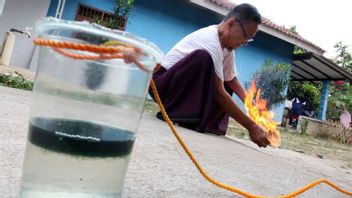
[(80, 138)]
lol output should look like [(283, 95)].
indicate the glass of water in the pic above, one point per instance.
[(84, 114)]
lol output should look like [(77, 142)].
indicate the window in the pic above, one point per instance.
[(90, 14)]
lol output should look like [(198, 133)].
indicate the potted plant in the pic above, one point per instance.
[(120, 14)]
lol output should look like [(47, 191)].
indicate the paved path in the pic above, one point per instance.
[(160, 168)]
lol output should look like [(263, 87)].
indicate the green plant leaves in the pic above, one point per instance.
[(15, 81), (272, 80)]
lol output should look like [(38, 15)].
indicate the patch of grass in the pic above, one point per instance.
[(335, 131), (151, 106), (237, 130), (307, 144), (15, 80), (317, 146)]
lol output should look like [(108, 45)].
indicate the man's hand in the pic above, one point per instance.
[(258, 135)]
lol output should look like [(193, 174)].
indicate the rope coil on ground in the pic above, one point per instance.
[(108, 52)]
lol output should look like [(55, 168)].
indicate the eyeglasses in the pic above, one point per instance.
[(245, 35)]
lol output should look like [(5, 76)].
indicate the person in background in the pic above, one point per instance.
[(308, 108), (296, 111), (345, 117), (287, 113)]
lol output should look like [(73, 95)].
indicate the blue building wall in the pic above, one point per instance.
[(158, 22), (166, 22)]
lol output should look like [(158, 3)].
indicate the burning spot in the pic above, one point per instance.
[(257, 110)]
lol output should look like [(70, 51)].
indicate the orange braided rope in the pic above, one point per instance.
[(88, 57), (127, 53), (115, 52)]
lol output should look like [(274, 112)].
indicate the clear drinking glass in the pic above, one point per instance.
[(84, 114)]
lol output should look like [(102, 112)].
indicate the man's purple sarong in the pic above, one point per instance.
[(187, 91)]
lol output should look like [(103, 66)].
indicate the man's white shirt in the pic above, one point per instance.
[(207, 39)]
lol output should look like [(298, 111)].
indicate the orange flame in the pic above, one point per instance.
[(257, 110)]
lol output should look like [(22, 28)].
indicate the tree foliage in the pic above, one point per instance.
[(119, 17), (344, 56), (272, 79), (340, 94), (15, 80), (296, 50), (305, 92), (120, 14)]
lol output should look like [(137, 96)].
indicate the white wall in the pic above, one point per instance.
[(2, 4), (20, 14)]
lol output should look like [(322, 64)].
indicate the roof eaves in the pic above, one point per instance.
[(223, 6)]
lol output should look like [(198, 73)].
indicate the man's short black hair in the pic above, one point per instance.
[(245, 13)]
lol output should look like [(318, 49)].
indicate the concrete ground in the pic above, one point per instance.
[(160, 168)]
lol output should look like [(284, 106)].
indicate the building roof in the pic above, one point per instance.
[(267, 26), (313, 67), (282, 29)]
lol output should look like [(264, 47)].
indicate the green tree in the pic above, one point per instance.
[(305, 91), (272, 79), (119, 17), (344, 56), (120, 14), (296, 49), (340, 94)]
